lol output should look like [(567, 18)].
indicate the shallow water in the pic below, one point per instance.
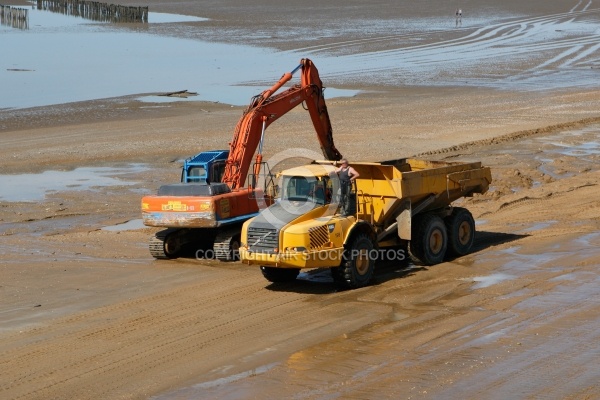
[(72, 59), (62, 59), (486, 281), (558, 155), (34, 187), (130, 225)]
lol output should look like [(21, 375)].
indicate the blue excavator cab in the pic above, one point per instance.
[(205, 168)]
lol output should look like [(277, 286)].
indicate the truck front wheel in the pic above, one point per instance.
[(358, 265), (277, 275), (429, 240)]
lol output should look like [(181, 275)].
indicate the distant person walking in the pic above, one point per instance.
[(458, 14)]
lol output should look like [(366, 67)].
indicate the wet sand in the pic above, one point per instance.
[(87, 313)]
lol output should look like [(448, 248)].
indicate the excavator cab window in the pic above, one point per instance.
[(196, 173)]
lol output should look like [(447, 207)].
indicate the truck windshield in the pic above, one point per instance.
[(303, 189)]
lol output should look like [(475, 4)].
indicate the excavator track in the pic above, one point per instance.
[(227, 244), (165, 244)]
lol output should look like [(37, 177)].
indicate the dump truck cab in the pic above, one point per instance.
[(304, 227)]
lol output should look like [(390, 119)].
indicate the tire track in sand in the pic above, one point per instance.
[(191, 330)]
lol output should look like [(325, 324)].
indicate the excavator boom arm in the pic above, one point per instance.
[(266, 109)]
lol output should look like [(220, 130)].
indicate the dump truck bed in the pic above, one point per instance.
[(382, 186)]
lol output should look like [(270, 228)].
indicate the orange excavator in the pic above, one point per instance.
[(209, 213)]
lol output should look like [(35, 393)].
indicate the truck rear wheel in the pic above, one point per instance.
[(429, 240), (461, 231), (277, 275), (358, 265)]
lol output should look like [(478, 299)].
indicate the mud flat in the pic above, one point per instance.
[(87, 313)]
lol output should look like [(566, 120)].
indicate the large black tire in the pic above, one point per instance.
[(429, 240), (277, 275), (461, 231), (358, 265)]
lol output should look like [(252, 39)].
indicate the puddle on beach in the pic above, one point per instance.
[(131, 225), (34, 187), (539, 226), (558, 155), (238, 95), (45, 227), (70, 59), (572, 142), (486, 281), (577, 150), (516, 261), (572, 147), (195, 391)]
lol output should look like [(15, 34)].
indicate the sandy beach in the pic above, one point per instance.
[(87, 313)]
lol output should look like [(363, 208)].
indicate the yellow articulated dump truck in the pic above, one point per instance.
[(392, 205)]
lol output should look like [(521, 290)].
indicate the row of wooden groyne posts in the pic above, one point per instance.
[(14, 17), (17, 17), (94, 10)]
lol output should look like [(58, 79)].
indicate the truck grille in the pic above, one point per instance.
[(318, 236), (263, 240)]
